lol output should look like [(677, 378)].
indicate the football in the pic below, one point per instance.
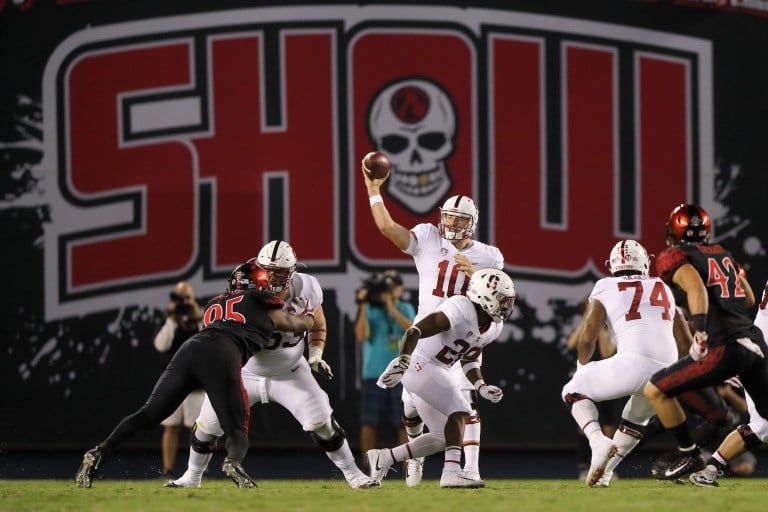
[(376, 165)]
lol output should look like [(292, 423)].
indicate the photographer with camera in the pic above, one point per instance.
[(184, 320), (382, 319)]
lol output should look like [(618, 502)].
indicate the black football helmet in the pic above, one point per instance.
[(688, 224), (248, 275)]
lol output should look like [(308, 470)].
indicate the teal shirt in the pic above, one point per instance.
[(382, 347)]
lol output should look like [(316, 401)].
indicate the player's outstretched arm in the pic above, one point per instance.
[(396, 233), (292, 322)]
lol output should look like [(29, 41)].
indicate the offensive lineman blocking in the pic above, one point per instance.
[(279, 373), (640, 313)]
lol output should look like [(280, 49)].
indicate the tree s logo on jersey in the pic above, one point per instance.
[(414, 122)]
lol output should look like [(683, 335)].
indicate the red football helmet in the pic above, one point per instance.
[(248, 275), (688, 224)]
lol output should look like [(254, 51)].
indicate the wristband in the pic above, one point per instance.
[(315, 352), (478, 384), (470, 366), (375, 199), (699, 321), (414, 328)]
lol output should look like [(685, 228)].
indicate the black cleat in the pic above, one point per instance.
[(683, 464), (234, 470), (91, 462)]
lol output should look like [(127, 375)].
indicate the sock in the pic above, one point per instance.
[(452, 457), (718, 461), (683, 437), (472, 443), (585, 413), (344, 460)]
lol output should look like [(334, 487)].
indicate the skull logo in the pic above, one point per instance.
[(414, 123)]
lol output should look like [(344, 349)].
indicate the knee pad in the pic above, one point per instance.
[(335, 441), (202, 446), (632, 429), (473, 418), (748, 436), (412, 422)]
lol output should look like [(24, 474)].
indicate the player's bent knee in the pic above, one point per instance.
[(751, 438), (329, 436)]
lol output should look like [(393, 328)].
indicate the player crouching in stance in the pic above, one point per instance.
[(454, 334), (640, 313), (279, 373)]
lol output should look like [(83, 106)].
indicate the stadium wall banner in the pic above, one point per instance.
[(143, 144)]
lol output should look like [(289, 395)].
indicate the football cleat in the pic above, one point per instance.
[(414, 471), (181, 484), (602, 452), (91, 462), (459, 479), (707, 477), (683, 465), (234, 470), (379, 464), (362, 481)]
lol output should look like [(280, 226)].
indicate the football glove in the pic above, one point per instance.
[(698, 350), (394, 371), (301, 306), (493, 394), (317, 364)]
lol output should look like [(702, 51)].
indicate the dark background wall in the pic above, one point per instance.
[(576, 123)]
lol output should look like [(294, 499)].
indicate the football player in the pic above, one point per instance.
[(745, 437), (279, 373), (726, 342), (454, 335), (640, 314), (446, 257), (236, 324)]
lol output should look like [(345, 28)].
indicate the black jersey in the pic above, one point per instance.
[(728, 317), (243, 318)]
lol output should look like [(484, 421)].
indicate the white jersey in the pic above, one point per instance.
[(438, 276), (284, 349), (761, 318), (639, 313), (462, 340)]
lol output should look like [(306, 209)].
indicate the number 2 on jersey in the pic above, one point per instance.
[(658, 298)]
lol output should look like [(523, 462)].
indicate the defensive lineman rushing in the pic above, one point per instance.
[(639, 311), (446, 257), (236, 324), (279, 373), (454, 335), (745, 436), (726, 341)]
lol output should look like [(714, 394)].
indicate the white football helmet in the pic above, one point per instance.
[(494, 291), (628, 255), (458, 206), (279, 260)]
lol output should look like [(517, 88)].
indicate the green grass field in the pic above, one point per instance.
[(334, 496)]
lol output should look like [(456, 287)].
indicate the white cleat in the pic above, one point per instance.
[(602, 451), (181, 483), (459, 479), (414, 471), (362, 481), (378, 462), (475, 475)]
